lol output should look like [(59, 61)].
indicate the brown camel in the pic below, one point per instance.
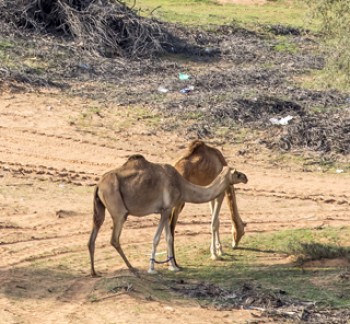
[(140, 188), (200, 165)]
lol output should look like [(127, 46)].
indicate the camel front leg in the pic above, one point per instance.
[(237, 223), (173, 220), (156, 240), (215, 246)]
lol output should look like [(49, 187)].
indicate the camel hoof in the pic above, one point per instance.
[(95, 275), (175, 269), (135, 272), (215, 257), (152, 271)]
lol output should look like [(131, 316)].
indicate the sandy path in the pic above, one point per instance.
[(47, 169)]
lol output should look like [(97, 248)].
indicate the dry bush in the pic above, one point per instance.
[(103, 27)]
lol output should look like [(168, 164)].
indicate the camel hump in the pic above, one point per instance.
[(136, 157), (199, 147), (193, 148), (135, 160), (196, 144)]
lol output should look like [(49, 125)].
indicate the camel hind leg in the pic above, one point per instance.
[(118, 222), (98, 219), (115, 206)]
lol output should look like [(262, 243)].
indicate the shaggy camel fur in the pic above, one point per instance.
[(140, 188), (200, 165)]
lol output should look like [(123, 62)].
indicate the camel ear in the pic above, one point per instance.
[(232, 173)]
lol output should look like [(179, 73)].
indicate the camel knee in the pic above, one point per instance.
[(214, 228), (115, 243)]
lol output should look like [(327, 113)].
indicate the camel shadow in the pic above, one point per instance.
[(239, 248), (43, 283)]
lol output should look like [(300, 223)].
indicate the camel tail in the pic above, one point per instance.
[(98, 219), (99, 210)]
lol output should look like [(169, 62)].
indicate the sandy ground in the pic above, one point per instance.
[(47, 169)]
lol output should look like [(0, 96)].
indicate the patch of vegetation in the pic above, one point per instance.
[(5, 57), (325, 79), (317, 251), (254, 263), (286, 46), (334, 19), (212, 12)]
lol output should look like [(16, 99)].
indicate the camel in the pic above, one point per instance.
[(140, 188), (200, 165)]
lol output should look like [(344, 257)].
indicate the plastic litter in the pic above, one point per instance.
[(283, 121), (187, 89), (162, 89), (339, 171), (84, 66), (183, 76)]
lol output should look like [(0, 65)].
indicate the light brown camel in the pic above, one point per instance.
[(140, 188), (200, 165)]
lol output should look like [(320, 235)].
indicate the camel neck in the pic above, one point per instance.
[(199, 194)]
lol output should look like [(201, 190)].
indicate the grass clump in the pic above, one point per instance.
[(318, 251)]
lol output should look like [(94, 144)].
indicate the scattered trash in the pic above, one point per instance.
[(187, 89), (183, 76), (339, 171), (162, 89), (169, 309), (282, 121), (84, 66), (230, 296)]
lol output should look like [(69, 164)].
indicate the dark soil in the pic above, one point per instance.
[(238, 78)]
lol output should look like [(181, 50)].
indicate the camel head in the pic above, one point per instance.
[(238, 177)]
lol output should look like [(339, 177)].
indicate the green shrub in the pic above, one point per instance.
[(333, 17)]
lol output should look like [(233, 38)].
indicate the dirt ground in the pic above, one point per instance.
[(47, 169)]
